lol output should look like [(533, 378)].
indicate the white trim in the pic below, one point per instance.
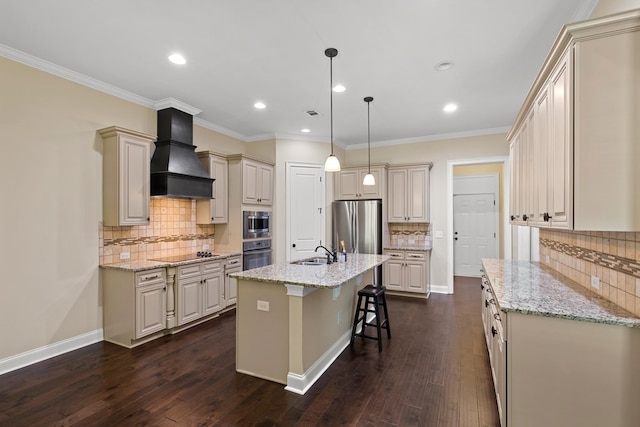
[(299, 384), (439, 289), (298, 290), (179, 105), (216, 128), (36, 355), (507, 229)]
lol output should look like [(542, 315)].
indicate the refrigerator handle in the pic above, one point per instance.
[(354, 228)]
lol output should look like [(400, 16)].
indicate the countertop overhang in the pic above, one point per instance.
[(315, 276)]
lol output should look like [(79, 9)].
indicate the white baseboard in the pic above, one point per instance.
[(36, 355), (440, 289), (301, 383)]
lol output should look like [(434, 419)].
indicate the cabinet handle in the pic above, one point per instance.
[(164, 289), (486, 303), (513, 218), (525, 217), (148, 218), (152, 277), (546, 217), (494, 331)]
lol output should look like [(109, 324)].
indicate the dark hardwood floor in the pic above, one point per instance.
[(433, 372)]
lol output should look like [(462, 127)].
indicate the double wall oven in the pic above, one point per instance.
[(256, 232)]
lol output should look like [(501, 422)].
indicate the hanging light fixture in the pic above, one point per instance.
[(369, 179), (332, 164)]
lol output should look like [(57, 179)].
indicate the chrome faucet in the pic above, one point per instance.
[(331, 256)]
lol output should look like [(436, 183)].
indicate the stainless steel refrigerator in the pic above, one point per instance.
[(359, 224)]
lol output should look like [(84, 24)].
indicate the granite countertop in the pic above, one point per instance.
[(407, 248), (143, 265), (316, 276), (532, 288)]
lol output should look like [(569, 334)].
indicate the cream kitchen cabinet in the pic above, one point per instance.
[(134, 305), (232, 265), (585, 129), (348, 183), (125, 176), (408, 193), (407, 272), (214, 211), (199, 289), (257, 183)]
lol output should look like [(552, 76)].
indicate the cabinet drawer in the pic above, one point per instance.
[(150, 277), (188, 271), (233, 261), (395, 255), (211, 267), (415, 255)]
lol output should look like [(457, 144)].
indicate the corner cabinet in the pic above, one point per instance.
[(257, 183), (573, 146), (125, 176), (409, 193), (214, 211), (407, 272), (348, 183), (134, 308)]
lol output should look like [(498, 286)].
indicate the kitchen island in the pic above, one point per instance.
[(294, 320)]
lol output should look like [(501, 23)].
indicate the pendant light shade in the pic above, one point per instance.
[(332, 164), (369, 179)]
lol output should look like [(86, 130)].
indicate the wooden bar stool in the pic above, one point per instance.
[(373, 297)]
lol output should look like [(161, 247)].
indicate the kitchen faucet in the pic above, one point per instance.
[(331, 256)]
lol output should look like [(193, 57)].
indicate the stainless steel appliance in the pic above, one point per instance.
[(359, 224), (256, 224), (256, 253)]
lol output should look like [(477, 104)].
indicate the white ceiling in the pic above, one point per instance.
[(240, 52)]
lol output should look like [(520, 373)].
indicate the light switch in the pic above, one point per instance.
[(439, 234)]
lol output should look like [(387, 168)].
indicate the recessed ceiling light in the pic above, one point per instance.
[(444, 65), (260, 105), (449, 108), (305, 130), (176, 58), (339, 88)]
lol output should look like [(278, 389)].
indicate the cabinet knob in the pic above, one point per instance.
[(525, 217), (513, 218), (164, 289), (546, 217), (294, 245), (211, 218)]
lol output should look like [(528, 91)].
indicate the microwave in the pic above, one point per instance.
[(256, 224)]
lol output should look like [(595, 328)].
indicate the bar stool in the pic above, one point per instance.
[(373, 297)]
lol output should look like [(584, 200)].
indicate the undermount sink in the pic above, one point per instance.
[(311, 261)]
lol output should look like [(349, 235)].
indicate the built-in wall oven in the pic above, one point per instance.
[(256, 253), (256, 224)]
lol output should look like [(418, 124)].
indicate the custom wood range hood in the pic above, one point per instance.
[(176, 170)]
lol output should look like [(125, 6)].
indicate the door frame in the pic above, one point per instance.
[(288, 167), (495, 190), (506, 238)]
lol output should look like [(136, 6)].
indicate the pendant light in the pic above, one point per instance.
[(369, 179), (332, 164)]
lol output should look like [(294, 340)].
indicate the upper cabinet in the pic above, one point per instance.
[(125, 176), (348, 183), (574, 144), (409, 193), (257, 183), (214, 211)]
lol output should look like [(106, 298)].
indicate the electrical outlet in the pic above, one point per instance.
[(547, 259), (439, 234), (125, 255), (263, 305), (595, 282), (412, 241), (205, 247)]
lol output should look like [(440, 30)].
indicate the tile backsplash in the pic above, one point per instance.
[(172, 230), (410, 234), (613, 257)]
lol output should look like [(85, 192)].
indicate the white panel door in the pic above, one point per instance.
[(475, 234), (306, 210)]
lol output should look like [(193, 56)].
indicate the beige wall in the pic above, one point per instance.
[(608, 7)]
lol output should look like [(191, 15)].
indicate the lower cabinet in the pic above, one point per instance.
[(134, 305), (199, 290), (232, 265), (407, 272), (496, 345)]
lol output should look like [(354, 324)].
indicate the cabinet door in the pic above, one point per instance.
[(347, 185), (371, 191), (250, 189), (265, 185), (231, 288), (417, 195), (415, 276), (134, 181), (513, 181), (541, 157), (189, 307), (397, 195), (393, 275), (151, 313), (212, 287), (561, 148), (215, 211)]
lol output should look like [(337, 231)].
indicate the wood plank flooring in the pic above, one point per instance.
[(433, 372)]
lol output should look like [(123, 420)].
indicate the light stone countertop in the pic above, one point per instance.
[(532, 288), (407, 248), (315, 276), (144, 265)]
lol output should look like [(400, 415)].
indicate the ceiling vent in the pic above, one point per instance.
[(312, 113)]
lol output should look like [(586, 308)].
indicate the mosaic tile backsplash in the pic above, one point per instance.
[(172, 230), (611, 256), (410, 234)]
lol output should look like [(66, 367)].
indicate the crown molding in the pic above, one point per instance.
[(214, 127), (178, 105)]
